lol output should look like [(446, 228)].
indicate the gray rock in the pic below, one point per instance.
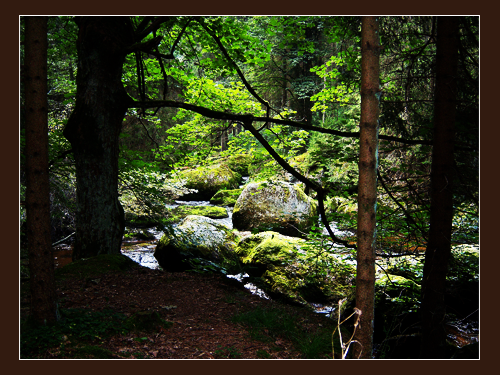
[(274, 205), (209, 180), (196, 239)]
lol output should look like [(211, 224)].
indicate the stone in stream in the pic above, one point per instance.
[(291, 269), (208, 180), (226, 197), (198, 240), (274, 205)]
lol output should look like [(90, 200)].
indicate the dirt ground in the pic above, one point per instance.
[(200, 306)]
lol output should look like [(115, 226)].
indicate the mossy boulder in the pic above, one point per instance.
[(274, 205), (142, 216), (226, 197), (240, 163), (209, 180), (284, 268), (197, 239), (179, 213)]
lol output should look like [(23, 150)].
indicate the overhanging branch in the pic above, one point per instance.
[(247, 123), (241, 117)]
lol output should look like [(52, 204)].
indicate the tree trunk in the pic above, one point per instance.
[(43, 307), (93, 130), (224, 139), (367, 190), (439, 244)]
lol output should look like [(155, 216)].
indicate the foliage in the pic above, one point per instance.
[(76, 324), (194, 138), (333, 90), (269, 324), (78, 329), (226, 352), (95, 266), (464, 264), (306, 68)]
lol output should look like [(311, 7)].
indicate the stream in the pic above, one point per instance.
[(142, 252)]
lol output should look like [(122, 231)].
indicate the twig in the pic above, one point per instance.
[(64, 239)]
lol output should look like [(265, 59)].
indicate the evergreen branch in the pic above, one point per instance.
[(407, 214)]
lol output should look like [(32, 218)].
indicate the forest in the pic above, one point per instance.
[(249, 187)]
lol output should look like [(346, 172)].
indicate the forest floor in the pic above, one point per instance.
[(200, 308)]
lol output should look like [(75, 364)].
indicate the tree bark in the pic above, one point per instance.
[(439, 243), (93, 130), (43, 307), (367, 188)]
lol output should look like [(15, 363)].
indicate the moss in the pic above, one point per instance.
[(138, 234), (284, 266), (208, 180), (268, 247), (390, 283), (300, 162), (240, 163), (95, 266), (176, 214), (226, 197)]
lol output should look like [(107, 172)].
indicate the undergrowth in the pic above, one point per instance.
[(79, 332), (268, 324)]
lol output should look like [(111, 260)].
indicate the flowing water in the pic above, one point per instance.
[(461, 332)]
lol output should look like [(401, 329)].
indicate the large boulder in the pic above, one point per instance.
[(274, 205), (197, 240), (290, 268), (208, 180)]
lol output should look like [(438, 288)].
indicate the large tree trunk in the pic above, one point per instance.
[(41, 262), (93, 130), (439, 244), (367, 188)]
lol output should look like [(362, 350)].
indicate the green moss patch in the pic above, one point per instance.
[(177, 214), (208, 180), (226, 197), (95, 266), (268, 248), (240, 163), (292, 269)]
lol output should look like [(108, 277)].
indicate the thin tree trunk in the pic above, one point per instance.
[(367, 190), (41, 262), (93, 130), (223, 140), (439, 243)]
